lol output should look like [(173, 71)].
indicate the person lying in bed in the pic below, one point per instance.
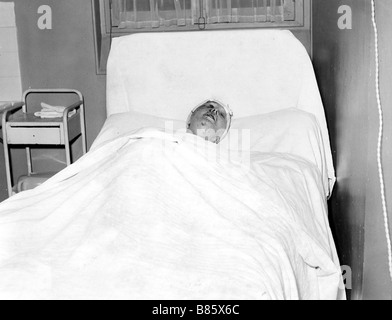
[(211, 121)]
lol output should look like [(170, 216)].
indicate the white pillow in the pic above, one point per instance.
[(290, 131)]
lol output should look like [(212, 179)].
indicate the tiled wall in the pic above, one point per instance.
[(10, 81)]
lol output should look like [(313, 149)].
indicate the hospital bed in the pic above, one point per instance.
[(153, 212)]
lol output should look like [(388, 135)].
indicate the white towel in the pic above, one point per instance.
[(49, 111)]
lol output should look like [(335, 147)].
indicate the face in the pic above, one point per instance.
[(209, 121)]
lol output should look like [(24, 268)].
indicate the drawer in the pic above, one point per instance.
[(34, 135)]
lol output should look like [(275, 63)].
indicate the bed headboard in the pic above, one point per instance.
[(253, 71)]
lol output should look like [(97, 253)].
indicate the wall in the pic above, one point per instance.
[(60, 58), (344, 64)]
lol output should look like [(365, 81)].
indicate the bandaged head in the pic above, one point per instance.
[(210, 120)]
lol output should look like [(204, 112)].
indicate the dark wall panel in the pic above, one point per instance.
[(344, 64)]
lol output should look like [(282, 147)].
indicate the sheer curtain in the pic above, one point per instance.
[(245, 11), (135, 14)]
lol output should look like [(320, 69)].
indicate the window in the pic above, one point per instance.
[(115, 18)]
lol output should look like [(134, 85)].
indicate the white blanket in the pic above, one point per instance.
[(150, 216)]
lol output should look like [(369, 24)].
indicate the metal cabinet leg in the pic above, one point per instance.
[(29, 161), (83, 125), (68, 155), (7, 166)]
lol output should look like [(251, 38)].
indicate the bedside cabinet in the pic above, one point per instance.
[(21, 128)]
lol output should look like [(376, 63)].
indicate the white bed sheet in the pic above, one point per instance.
[(148, 215)]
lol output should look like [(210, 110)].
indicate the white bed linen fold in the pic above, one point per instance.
[(150, 216)]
